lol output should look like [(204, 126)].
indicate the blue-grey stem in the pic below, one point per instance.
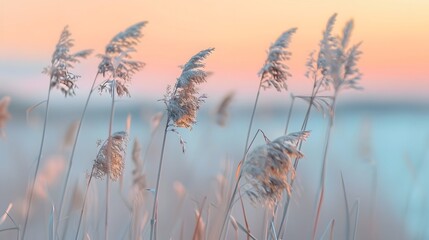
[(70, 163), (38, 162)]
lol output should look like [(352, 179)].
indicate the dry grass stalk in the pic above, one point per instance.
[(116, 63), (60, 77), (139, 190), (200, 226), (139, 179), (183, 102), (155, 120), (235, 226), (70, 135), (222, 110), (4, 113), (182, 105), (62, 61), (341, 72), (268, 168), (118, 152), (6, 213), (49, 176), (274, 73)]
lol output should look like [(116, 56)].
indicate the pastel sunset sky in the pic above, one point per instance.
[(395, 39)]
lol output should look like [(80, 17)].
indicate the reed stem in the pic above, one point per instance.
[(38, 162)]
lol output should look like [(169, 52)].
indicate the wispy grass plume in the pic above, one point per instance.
[(222, 110), (340, 68), (114, 168), (117, 68), (269, 168), (182, 104), (116, 64), (4, 113), (274, 73), (59, 77)]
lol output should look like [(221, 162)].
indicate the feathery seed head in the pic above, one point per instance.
[(116, 61), (139, 179), (274, 72), (338, 63), (183, 103), (4, 113), (118, 151), (268, 168), (222, 110), (62, 61)]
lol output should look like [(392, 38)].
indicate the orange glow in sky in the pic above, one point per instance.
[(394, 34)]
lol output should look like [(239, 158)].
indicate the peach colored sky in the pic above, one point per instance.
[(394, 32)]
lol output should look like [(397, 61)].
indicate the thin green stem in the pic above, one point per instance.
[(38, 162), (70, 163), (154, 219)]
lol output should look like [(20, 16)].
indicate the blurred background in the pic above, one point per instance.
[(379, 143)]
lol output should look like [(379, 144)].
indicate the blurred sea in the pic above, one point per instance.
[(378, 148)]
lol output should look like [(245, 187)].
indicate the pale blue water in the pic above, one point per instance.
[(394, 134)]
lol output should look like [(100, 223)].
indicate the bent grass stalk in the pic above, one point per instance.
[(316, 88), (274, 73), (154, 219), (109, 158), (231, 201), (30, 199), (84, 203), (325, 154), (61, 78), (182, 106), (70, 164)]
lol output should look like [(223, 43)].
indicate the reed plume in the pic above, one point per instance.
[(274, 73), (182, 104), (340, 68), (115, 166), (62, 61), (4, 113), (268, 168), (117, 68), (222, 110), (116, 63), (59, 77), (107, 162), (316, 65)]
